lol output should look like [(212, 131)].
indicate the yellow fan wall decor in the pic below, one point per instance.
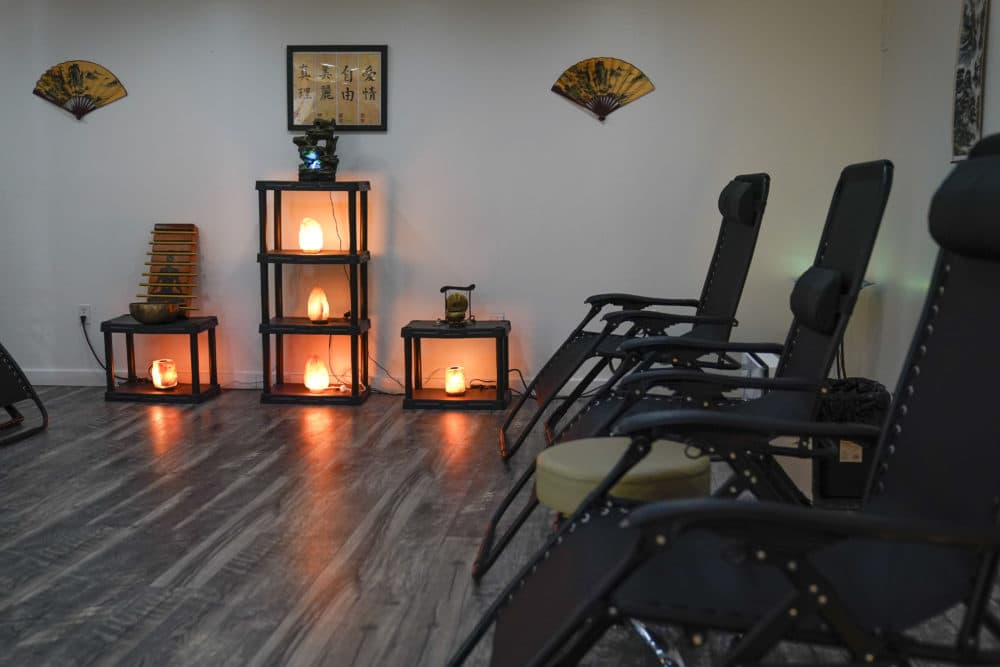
[(79, 86), (602, 84)]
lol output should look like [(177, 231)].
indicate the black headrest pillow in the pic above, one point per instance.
[(816, 298), (736, 202)]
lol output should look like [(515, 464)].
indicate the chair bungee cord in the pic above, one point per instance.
[(926, 539)]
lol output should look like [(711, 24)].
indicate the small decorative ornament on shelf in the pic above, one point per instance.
[(318, 152), (163, 373), (458, 305)]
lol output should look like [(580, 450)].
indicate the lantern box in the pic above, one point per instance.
[(418, 396), (134, 389)]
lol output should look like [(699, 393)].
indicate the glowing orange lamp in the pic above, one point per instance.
[(454, 381), (163, 372), (310, 235), (319, 307), (317, 376)]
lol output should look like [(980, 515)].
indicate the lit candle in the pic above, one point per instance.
[(310, 235), (454, 381), (163, 372), (317, 376), (319, 307)]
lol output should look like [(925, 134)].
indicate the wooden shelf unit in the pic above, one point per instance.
[(141, 391), (276, 325), (419, 397)]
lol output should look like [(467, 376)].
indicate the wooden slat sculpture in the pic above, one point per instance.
[(172, 274)]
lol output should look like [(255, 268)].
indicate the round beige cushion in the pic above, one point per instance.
[(568, 472)]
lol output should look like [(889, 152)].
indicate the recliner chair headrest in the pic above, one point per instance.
[(986, 146), (736, 202), (965, 211), (816, 298)]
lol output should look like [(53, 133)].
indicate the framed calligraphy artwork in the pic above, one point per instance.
[(346, 84)]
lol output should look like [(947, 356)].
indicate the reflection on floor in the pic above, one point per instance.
[(235, 533)]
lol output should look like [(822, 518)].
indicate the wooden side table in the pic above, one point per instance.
[(144, 392), (417, 396)]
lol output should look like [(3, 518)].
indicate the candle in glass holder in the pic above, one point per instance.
[(454, 381), (163, 373)]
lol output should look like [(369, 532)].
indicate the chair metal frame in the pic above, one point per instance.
[(815, 554), (602, 347), (15, 388), (631, 319), (756, 472)]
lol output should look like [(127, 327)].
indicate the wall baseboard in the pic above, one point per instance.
[(86, 377), (90, 377)]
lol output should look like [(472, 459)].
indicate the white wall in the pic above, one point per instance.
[(920, 42), (484, 175)]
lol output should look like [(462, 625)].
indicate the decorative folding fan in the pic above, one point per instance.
[(79, 86), (602, 84)]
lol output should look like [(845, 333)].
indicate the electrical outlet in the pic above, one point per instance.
[(83, 310)]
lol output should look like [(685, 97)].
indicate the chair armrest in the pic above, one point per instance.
[(655, 316), (638, 301), (802, 526), (667, 343), (664, 377), (721, 420)]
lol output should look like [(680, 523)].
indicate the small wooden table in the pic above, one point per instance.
[(417, 396), (144, 392)]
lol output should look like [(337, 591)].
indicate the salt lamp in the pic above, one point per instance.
[(163, 373), (310, 235), (454, 381), (319, 307), (317, 377)]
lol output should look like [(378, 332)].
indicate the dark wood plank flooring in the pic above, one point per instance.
[(235, 533)]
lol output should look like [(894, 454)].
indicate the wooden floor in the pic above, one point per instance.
[(235, 533)]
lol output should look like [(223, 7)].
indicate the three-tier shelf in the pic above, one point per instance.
[(278, 326)]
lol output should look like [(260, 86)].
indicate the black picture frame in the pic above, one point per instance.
[(319, 90)]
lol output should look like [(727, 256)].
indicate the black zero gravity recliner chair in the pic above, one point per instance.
[(15, 389), (926, 540), (822, 302), (742, 204)]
